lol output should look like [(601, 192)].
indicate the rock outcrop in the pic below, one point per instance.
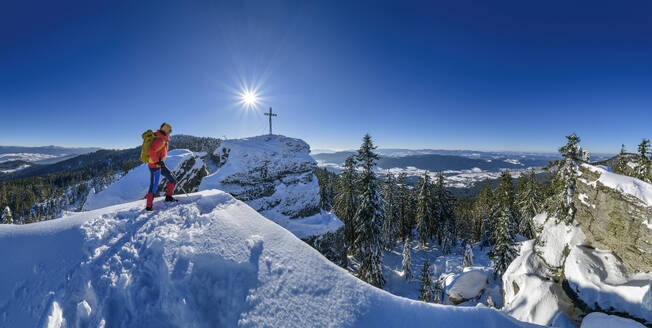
[(614, 219), (274, 175), (600, 262)]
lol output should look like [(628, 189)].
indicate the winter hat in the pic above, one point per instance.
[(166, 128)]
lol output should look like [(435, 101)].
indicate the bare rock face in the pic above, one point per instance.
[(614, 220)]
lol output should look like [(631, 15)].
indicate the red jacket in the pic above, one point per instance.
[(158, 151)]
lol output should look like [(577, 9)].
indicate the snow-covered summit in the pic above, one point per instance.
[(208, 261), (274, 175)]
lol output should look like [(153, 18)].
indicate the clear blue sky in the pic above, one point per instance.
[(485, 75)]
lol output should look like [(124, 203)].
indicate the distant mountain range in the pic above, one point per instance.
[(42, 155), (399, 152)]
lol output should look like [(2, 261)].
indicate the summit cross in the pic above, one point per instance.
[(270, 114)]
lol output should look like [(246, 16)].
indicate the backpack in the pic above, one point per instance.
[(148, 138)]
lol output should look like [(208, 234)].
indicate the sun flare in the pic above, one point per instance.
[(249, 98)]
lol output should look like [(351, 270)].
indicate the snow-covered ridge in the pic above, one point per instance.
[(134, 185), (205, 262)]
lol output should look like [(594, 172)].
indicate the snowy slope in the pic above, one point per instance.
[(212, 262), (133, 186)]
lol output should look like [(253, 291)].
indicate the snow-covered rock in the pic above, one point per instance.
[(602, 320), (274, 175), (529, 294), (616, 214), (184, 164), (209, 262), (555, 240), (466, 286), (599, 278)]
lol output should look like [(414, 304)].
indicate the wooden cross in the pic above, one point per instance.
[(270, 119)]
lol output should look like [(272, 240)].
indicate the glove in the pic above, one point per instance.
[(160, 163)]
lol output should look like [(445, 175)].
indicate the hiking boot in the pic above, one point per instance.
[(169, 198), (149, 209)]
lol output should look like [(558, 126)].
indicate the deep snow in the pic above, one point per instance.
[(133, 186), (210, 262)]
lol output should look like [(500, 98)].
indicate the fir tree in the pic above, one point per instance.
[(369, 218), (423, 209), (426, 291), (443, 222), (503, 251), (407, 262), (390, 223), (345, 202), (528, 201), (564, 182), (7, 218), (621, 164), (482, 209), (643, 164), (468, 255), (405, 211), (438, 291)]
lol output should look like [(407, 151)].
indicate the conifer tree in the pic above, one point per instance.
[(503, 251), (468, 255), (390, 223), (443, 222), (561, 204), (643, 164), (438, 291), (369, 218), (7, 218), (621, 164), (346, 200), (423, 209), (528, 201), (483, 212), (405, 211), (407, 261), (426, 291)]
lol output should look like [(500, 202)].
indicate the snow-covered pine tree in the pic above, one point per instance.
[(426, 291), (503, 251), (482, 209), (369, 218), (528, 200), (405, 211), (438, 290), (407, 261), (390, 223), (621, 165), (564, 182), (326, 181), (345, 202), (7, 218), (468, 255), (423, 213), (643, 164), (443, 222)]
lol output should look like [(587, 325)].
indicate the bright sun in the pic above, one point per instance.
[(249, 98)]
